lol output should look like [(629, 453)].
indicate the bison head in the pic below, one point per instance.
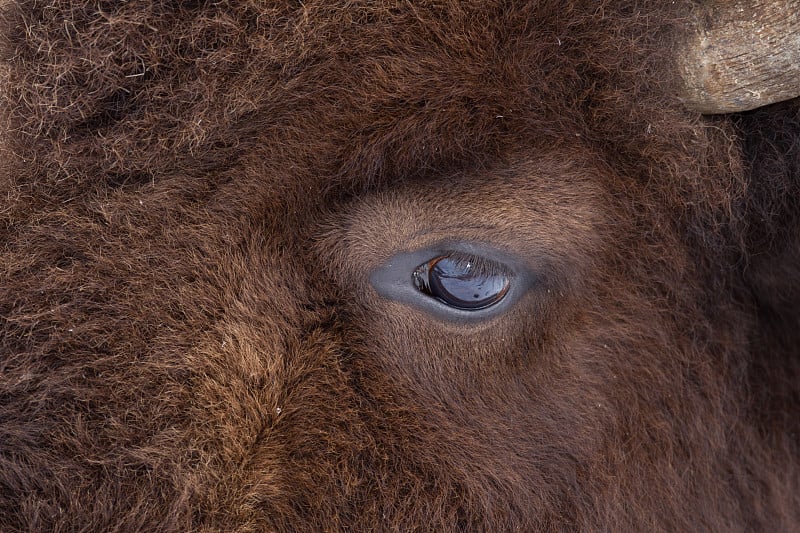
[(328, 266)]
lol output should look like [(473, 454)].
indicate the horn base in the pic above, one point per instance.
[(742, 55)]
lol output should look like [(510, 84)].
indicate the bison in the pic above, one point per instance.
[(436, 265)]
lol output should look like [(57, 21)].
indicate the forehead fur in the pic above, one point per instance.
[(345, 93)]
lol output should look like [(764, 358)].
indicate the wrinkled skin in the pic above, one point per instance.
[(195, 197)]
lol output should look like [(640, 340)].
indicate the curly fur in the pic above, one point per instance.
[(193, 195)]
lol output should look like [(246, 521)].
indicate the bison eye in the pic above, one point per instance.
[(456, 281), (462, 281)]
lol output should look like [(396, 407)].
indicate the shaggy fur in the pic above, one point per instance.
[(193, 197)]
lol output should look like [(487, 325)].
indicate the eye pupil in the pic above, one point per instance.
[(462, 284)]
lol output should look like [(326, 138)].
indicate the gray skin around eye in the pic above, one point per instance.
[(394, 280)]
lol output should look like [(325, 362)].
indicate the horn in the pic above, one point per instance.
[(741, 54)]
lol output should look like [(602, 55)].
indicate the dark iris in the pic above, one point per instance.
[(462, 281)]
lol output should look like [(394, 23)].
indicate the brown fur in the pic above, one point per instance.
[(194, 194)]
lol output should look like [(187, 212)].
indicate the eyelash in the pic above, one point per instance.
[(480, 266)]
